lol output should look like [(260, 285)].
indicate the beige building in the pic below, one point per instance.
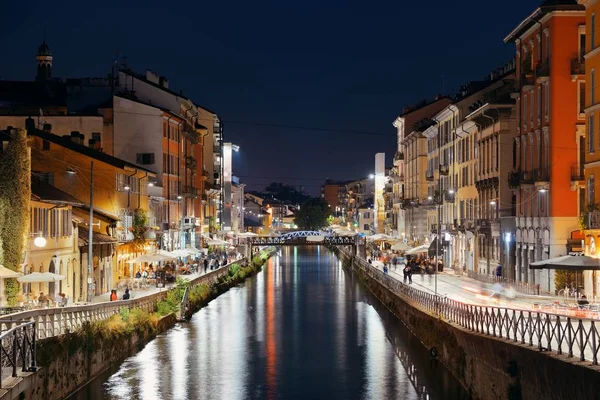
[(404, 126)]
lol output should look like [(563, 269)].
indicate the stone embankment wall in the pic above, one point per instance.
[(68, 362), (491, 368)]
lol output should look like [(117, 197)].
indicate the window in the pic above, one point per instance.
[(539, 99), (547, 100), (547, 45), (366, 227), (581, 42), (593, 32), (366, 215), (591, 133), (592, 88), (531, 107), (591, 190), (581, 86), (525, 111), (145, 158)]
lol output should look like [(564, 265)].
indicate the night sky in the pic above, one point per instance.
[(342, 68)]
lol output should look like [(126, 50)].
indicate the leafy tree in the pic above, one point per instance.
[(313, 214)]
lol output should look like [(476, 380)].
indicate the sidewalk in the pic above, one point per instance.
[(137, 293), (464, 289)]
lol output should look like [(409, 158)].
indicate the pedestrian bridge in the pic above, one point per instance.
[(298, 238)]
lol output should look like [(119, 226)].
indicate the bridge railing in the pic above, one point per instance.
[(17, 350), (573, 337)]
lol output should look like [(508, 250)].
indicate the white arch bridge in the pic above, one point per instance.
[(298, 238)]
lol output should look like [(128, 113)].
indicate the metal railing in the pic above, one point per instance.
[(574, 337), (50, 322), (521, 287), (17, 350)]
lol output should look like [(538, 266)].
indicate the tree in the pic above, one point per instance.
[(313, 214)]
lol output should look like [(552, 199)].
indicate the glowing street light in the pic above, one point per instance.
[(39, 241)]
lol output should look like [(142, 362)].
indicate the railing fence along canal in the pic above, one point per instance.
[(574, 337), (56, 321), (17, 350)]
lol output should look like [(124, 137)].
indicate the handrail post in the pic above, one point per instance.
[(14, 354), (33, 349)]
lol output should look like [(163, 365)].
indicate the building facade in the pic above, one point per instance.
[(550, 128)]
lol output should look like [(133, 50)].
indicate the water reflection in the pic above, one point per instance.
[(302, 329)]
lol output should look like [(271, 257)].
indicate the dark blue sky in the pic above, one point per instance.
[(342, 66)]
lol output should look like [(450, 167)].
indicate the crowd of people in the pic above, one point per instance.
[(413, 264)]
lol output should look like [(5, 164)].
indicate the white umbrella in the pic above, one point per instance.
[(156, 257), (400, 247), (8, 273), (217, 242), (40, 277), (424, 248), (247, 234)]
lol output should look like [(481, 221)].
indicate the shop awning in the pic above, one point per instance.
[(433, 247), (568, 263), (97, 238)]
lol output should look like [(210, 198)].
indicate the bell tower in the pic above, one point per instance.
[(44, 63)]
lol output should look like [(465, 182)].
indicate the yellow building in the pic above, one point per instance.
[(120, 188)]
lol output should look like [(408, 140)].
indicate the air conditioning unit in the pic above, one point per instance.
[(188, 221)]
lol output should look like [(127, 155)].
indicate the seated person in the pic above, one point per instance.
[(583, 300), (138, 275)]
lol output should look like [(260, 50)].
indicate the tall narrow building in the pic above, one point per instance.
[(550, 128)]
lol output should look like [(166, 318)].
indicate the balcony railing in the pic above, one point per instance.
[(527, 79), (542, 69), (577, 66), (190, 191), (399, 156), (526, 178), (429, 176), (190, 162), (444, 170), (593, 220), (577, 173), (541, 175)]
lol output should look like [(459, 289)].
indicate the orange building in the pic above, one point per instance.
[(590, 161), (120, 188), (550, 132)]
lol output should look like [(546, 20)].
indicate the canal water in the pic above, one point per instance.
[(301, 329)]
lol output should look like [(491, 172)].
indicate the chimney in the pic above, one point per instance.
[(92, 143), (152, 76), (81, 139), (163, 81), (47, 128), (29, 124)]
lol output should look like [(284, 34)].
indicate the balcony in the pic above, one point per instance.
[(542, 71), (577, 67), (577, 175), (190, 191), (593, 219), (429, 176), (409, 203), (527, 81), (526, 178), (398, 157), (541, 175), (190, 162), (444, 170)]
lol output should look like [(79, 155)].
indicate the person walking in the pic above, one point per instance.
[(394, 261), (126, 295), (409, 274), (406, 267), (205, 262)]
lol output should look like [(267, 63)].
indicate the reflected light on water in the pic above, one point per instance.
[(289, 333)]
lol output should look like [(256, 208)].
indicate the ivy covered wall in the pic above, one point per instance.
[(15, 193)]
